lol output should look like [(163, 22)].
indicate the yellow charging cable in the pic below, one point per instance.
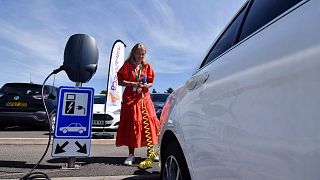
[(152, 154)]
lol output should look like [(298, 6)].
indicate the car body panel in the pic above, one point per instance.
[(253, 112)]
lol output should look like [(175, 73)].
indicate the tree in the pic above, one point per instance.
[(169, 90), (154, 91), (103, 92)]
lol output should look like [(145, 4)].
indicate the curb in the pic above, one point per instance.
[(106, 177), (121, 177), (44, 141)]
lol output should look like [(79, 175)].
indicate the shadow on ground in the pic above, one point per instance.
[(25, 165)]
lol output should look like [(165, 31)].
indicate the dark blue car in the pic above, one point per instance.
[(158, 101)]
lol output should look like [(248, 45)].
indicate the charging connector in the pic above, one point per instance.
[(56, 71)]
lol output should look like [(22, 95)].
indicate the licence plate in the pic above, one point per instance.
[(17, 104), (98, 122)]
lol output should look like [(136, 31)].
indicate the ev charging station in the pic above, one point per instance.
[(72, 134)]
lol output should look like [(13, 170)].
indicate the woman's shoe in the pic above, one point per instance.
[(129, 160), (155, 158)]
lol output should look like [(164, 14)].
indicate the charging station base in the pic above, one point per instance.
[(71, 164), (66, 167)]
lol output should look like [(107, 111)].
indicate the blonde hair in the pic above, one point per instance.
[(134, 49)]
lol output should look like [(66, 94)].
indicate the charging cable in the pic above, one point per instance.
[(152, 154), (40, 175)]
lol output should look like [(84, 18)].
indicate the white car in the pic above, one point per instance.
[(104, 120), (251, 108)]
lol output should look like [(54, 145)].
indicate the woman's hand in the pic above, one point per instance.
[(143, 85), (135, 84)]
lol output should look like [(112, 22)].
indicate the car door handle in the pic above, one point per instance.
[(196, 81)]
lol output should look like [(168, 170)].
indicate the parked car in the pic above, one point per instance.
[(21, 104), (158, 101), (251, 108), (104, 120)]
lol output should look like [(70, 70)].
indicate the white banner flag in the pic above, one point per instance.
[(114, 91)]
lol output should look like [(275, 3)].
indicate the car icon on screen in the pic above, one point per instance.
[(73, 127)]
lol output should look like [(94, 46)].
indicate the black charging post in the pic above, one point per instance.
[(80, 63)]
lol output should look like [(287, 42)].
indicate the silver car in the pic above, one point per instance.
[(251, 108)]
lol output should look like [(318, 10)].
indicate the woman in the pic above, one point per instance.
[(131, 130)]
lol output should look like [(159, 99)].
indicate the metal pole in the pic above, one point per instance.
[(78, 84), (72, 160)]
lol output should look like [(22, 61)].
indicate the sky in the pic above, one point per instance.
[(176, 33)]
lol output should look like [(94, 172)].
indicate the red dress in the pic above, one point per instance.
[(131, 130)]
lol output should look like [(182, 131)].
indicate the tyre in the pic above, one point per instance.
[(174, 166)]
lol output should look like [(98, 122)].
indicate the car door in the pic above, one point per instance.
[(199, 108)]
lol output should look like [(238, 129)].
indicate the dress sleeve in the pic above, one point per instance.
[(123, 72), (150, 74)]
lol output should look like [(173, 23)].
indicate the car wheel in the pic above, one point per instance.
[(174, 166), (53, 118), (64, 131), (80, 131)]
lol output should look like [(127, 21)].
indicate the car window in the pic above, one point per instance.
[(23, 89), (55, 91), (263, 11), (99, 99), (159, 97), (50, 89), (227, 39)]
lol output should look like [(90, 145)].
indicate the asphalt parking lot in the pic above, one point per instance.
[(20, 151)]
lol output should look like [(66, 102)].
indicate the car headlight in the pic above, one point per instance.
[(117, 111)]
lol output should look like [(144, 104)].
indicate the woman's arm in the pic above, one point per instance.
[(127, 83)]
